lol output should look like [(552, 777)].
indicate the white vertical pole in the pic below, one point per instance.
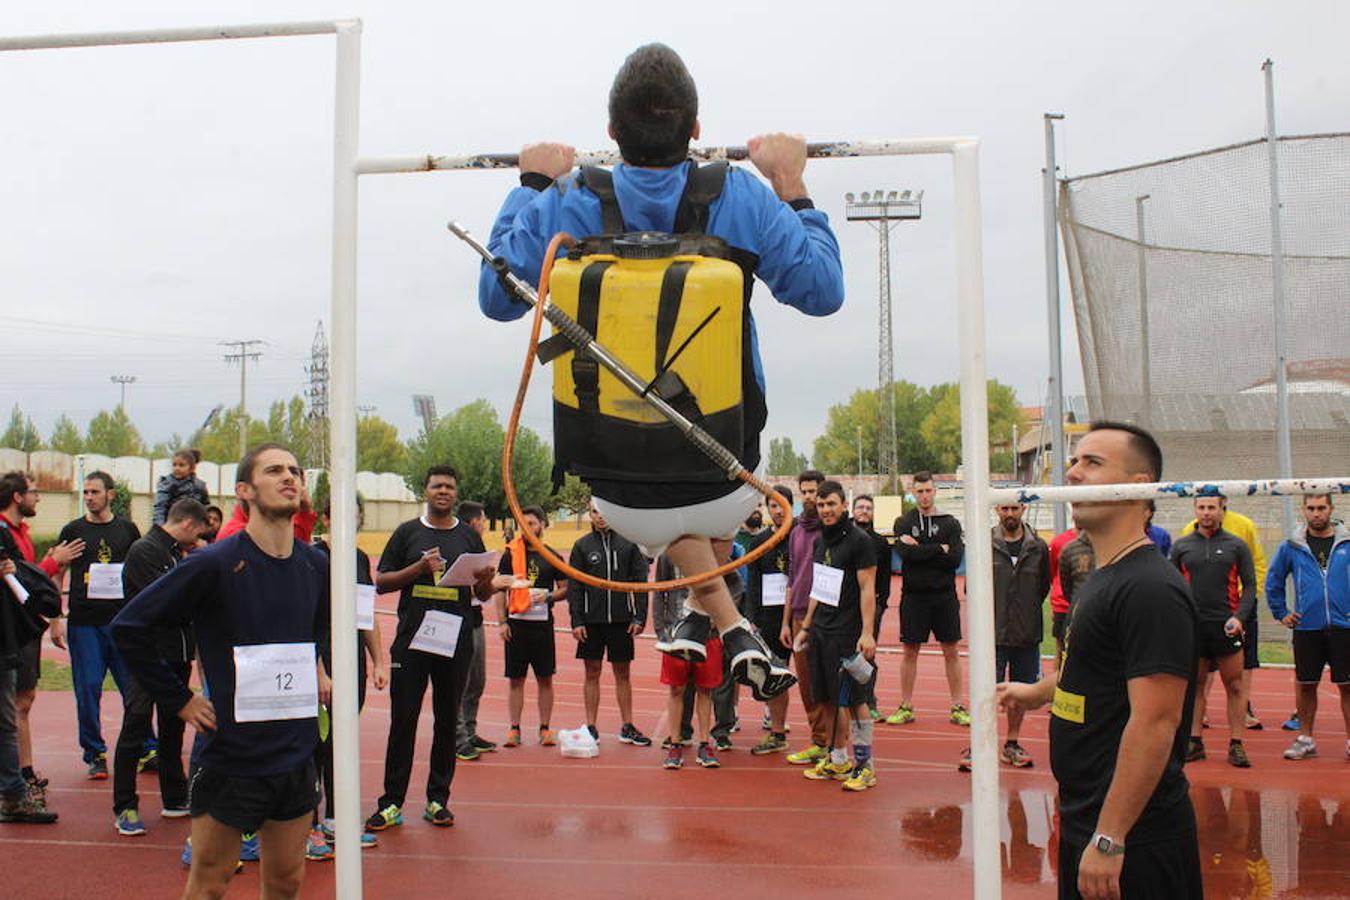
[(1055, 413), (979, 547), (342, 439), (1145, 373), (1283, 449)]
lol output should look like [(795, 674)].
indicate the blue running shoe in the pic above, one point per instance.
[(248, 848), (129, 823), (187, 852), (1291, 724)]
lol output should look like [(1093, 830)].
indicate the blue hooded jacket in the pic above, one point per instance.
[(1322, 599)]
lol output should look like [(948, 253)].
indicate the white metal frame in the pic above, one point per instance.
[(349, 166)]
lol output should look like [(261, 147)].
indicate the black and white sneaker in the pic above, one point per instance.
[(688, 638), (752, 665), (630, 735)]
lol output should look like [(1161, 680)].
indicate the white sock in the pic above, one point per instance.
[(838, 756), (742, 622)]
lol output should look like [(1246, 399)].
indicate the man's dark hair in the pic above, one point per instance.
[(218, 511), (923, 476), (1330, 500), (12, 483), (830, 486), (867, 497), (785, 491), (187, 510), (471, 510), (244, 471), (100, 475), (537, 512), (653, 105), (811, 475), (442, 469), (1141, 442)]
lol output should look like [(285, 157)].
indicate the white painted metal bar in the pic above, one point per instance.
[(985, 830), (165, 35), (342, 472), (387, 165), (1054, 416), (1171, 490)]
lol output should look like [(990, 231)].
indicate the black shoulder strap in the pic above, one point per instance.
[(586, 371), (703, 187), (601, 183)]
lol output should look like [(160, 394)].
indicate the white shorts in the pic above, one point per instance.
[(655, 529)]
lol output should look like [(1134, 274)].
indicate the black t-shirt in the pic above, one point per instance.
[(846, 547), (1131, 619), (1321, 548), (1015, 548), (104, 542), (775, 562), (406, 546), (539, 572)]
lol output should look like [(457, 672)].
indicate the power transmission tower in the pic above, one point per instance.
[(243, 352), (882, 212), (317, 394)]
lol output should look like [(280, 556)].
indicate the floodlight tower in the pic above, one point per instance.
[(882, 211)]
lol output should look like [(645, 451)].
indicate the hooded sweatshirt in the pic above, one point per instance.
[(1321, 596), (801, 543), (928, 569)]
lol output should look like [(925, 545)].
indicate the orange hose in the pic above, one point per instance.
[(508, 481)]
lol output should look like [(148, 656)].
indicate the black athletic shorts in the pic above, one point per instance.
[(1214, 643), (1022, 664), (1059, 621), (1315, 650), (607, 639), (531, 645), (769, 622), (824, 653), (247, 801), (925, 614), (1162, 870), (30, 666), (1251, 644)]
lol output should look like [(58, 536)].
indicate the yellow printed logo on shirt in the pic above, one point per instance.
[(1068, 706)]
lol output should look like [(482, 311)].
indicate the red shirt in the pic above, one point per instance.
[(1057, 602), (302, 524), (24, 541)]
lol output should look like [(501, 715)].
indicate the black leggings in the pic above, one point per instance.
[(323, 753)]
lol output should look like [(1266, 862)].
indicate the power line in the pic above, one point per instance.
[(243, 353)]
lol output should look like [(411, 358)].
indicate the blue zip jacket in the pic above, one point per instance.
[(1322, 599), (797, 251)]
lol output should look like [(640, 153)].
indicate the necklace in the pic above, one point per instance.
[(1124, 550)]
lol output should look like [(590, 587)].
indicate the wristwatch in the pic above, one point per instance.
[(1107, 845)]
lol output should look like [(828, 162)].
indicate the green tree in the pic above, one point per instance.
[(66, 437), (378, 448), (121, 498), (783, 458), (113, 434), (941, 428), (219, 441), (836, 451), (21, 434), (166, 449), (288, 423), (471, 439), (574, 496)]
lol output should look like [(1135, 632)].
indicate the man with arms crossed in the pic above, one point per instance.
[(1123, 699), (259, 604)]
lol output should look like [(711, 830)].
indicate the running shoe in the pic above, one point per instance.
[(129, 823), (388, 817), (706, 758), (1253, 723), (772, 743), (903, 715), (1237, 756), (175, 812), (630, 735), (752, 665), (317, 847), (1291, 723), (1303, 747), (250, 848), (546, 736), (98, 768), (512, 737), (875, 714), (686, 737), (149, 763), (674, 756), (481, 744), (368, 839), (595, 732), (723, 743), (26, 810), (438, 815), (1016, 756), (767, 724), (862, 778), (187, 855), (37, 790), (808, 755), (466, 752), (959, 716), (964, 764), (1195, 750), (827, 771), (688, 638)]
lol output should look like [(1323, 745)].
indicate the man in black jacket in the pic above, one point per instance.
[(1021, 583), (147, 559), (604, 622), (930, 548)]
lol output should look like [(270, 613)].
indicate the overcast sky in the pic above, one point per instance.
[(158, 199)]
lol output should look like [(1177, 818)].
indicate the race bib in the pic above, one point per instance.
[(825, 583), (1069, 707), (365, 607), (105, 581), (774, 590), (274, 682), (438, 633)]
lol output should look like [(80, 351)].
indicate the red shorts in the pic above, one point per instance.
[(706, 675)]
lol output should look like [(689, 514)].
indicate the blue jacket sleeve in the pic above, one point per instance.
[(527, 221), (1275, 581)]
